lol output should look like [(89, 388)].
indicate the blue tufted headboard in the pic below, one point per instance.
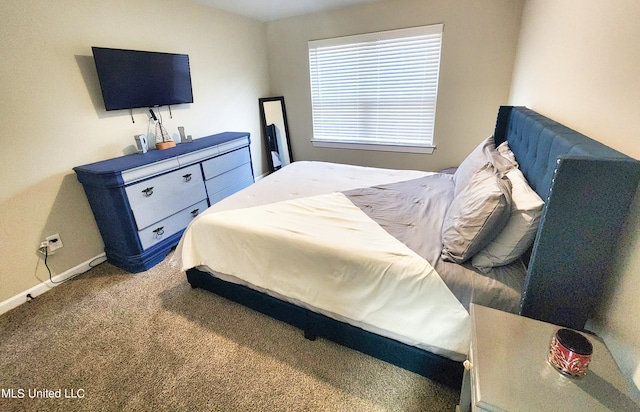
[(588, 189)]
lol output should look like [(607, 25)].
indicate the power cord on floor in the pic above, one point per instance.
[(45, 251)]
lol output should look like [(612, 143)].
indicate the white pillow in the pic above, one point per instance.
[(505, 151), (476, 215), (521, 228)]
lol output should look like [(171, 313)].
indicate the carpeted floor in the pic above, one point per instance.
[(148, 341)]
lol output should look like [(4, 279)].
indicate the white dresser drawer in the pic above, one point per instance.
[(221, 164), (145, 193), (198, 156), (168, 205), (153, 169), (218, 196), (233, 144), (171, 225), (229, 179)]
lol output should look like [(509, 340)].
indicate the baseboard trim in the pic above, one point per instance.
[(43, 287), (262, 176)]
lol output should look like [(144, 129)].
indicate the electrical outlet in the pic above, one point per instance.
[(53, 242)]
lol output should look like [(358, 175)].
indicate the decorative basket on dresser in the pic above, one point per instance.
[(143, 202)]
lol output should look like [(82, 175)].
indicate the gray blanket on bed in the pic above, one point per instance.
[(413, 212)]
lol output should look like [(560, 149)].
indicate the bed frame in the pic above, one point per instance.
[(588, 189)]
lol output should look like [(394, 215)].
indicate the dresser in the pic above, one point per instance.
[(507, 370), (143, 202)]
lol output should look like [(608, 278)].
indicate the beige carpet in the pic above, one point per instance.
[(150, 342)]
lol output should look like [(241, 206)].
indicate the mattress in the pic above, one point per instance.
[(358, 244)]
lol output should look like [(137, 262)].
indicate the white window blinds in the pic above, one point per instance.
[(376, 88)]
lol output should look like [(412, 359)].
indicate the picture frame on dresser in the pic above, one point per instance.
[(143, 202)]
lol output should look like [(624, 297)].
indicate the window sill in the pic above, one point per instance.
[(369, 146)]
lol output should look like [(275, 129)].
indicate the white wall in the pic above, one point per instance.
[(53, 117), (578, 62), (479, 45)]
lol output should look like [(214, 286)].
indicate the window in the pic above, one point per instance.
[(376, 91)]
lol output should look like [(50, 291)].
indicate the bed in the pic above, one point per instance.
[(387, 261)]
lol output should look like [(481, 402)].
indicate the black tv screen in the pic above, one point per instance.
[(131, 78)]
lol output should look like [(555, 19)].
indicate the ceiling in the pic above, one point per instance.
[(267, 10)]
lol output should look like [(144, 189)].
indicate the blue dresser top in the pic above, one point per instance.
[(118, 164), (110, 172)]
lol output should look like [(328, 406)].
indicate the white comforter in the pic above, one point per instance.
[(325, 254)]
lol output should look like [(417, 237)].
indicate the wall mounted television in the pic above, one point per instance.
[(130, 78)]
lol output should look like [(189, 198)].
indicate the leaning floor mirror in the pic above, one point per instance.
[(273, 117)]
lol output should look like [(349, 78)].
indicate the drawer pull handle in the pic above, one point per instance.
[(195, 212), (187, 177), (159, 232), (148, 191), (467, 365)]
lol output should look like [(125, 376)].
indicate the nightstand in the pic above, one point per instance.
[(507, 370)]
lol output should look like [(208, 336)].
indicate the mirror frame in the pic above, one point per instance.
[(286, 139)]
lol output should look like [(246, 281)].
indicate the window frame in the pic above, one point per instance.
[(431, 36)]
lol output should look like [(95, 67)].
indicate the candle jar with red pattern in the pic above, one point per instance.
[(570, 352)]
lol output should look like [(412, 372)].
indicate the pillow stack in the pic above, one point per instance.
[(480, 209), (494, 216)]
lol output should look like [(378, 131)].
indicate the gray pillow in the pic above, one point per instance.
[(484, 153), (476, 215)]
